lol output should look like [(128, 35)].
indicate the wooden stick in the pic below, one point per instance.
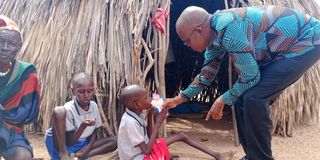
[(234, 120), (151, 61)]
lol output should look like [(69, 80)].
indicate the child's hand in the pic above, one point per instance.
[(89, 122), (161, 117), (151, 110), (163, 114)]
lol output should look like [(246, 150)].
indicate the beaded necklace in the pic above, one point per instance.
[(2, 74)]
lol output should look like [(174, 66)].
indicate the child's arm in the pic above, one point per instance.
[(79, 131), (150, 122), (146, 148)]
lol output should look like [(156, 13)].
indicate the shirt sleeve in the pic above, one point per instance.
[(238, 41), (249, 75), (70, 126), (213, 58)]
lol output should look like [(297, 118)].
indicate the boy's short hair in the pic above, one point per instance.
[(128, 93), (78, 77)]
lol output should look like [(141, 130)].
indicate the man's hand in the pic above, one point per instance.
[(89, 122), (216, 109), (172, 102)]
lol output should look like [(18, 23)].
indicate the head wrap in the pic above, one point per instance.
[(8, 24)]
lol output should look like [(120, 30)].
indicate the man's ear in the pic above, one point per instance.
[(199, 29)]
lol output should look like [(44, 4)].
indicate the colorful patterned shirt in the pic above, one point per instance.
[(253, 37), (20, 95)]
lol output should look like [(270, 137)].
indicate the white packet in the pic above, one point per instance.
[(157, 102)]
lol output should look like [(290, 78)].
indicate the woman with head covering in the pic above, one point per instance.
[(19, 94)]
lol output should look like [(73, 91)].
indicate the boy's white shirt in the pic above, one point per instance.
[(76, 115), (132, 132)]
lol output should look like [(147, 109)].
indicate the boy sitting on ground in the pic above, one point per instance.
[(133, 136), (74, 125)]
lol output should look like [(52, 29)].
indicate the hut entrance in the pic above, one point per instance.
[(183, 64)]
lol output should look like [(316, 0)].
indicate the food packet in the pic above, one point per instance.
[(157, 102)]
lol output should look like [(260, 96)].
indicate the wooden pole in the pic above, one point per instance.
[(234, 121), (163, 50)]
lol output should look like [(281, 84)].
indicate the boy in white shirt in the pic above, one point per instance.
[(74, 125), (133, 136)]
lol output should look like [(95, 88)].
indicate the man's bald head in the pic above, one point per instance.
[(190, 18), (131, 93)]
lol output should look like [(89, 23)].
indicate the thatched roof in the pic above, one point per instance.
[(114, 40)]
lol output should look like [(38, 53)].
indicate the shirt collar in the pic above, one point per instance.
[(80, 110), (139, 118), (217, 38)]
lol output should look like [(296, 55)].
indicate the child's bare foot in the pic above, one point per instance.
[(226, 155), (174, 157), (65, 156), (73, 156)]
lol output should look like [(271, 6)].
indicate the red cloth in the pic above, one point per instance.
[(159, 151), (159, 20)]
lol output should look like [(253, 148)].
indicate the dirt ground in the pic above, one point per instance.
[(217, 135)]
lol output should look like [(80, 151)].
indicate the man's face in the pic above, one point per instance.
[(84, 92), (195, 36), (196, 41), (10, 45)]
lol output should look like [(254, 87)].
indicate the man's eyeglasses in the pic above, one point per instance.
[(187, 40)]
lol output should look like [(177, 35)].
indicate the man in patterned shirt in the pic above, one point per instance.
[(270, 47)]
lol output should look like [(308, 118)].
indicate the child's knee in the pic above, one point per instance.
[(22, 154), (182, 135), (59, 113), (114, 139)]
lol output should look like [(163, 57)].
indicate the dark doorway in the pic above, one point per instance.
[(183, 64)]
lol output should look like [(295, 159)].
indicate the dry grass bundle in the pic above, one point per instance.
[(104, 38), (113, 155)]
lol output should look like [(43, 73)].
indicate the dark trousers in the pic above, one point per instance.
[(252, 108)]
